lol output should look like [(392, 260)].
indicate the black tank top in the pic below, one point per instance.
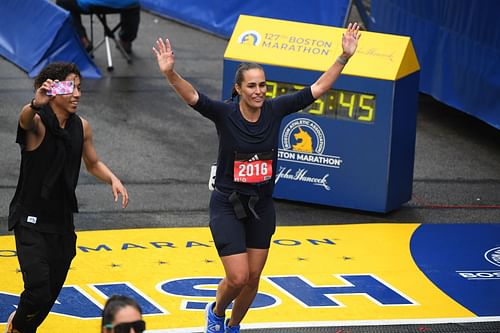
[(45, 195)]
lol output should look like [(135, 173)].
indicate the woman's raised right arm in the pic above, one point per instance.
[(165, 57)]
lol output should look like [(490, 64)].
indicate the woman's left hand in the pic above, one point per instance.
[(350, 39)]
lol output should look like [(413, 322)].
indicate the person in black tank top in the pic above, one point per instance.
[(53, 141), (242, 215)]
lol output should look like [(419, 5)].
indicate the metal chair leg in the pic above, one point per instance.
[(108, 54)]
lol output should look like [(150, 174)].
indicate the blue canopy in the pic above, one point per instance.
[(35, 33)]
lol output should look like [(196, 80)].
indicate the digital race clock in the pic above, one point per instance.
[(340, 104)]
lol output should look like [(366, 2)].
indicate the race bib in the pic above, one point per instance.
[(253, 168)]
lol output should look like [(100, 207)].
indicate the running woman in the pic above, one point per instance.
[(242, 215)]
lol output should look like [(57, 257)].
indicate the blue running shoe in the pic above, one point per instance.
[(215, 323), (231, 329)]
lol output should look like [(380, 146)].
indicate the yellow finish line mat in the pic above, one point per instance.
[(359, 274)]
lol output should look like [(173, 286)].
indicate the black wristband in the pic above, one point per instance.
[(33, 106), (342, 60)]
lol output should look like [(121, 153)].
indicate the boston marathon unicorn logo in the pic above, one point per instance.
[(249, 37), (304, 141), (303, 135), (302, 146)]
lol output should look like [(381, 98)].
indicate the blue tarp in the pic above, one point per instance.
[(34, 33), (219, 16), (458, 46)]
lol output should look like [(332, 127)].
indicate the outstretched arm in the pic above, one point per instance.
[(349, 45), (98, 169), (165, 57), (27, 118)]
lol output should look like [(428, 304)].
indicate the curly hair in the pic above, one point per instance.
[(56, 71)]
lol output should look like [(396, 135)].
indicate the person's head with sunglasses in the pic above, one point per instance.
[(122, 314)]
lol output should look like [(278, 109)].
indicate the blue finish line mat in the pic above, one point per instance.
[(316, 276)]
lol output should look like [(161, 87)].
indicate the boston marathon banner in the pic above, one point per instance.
[(362, 274)]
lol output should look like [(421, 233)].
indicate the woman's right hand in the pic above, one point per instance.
[(164, 55)]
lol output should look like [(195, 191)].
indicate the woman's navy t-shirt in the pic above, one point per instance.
[(237, 135)]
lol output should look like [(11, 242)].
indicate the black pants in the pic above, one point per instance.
[(44, 259), (130, 20)]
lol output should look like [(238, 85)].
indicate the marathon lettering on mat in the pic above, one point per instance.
[(324, 276)]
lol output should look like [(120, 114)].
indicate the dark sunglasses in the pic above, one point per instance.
[(139, 326)]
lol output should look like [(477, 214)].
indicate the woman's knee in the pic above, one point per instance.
[(253, 280), (238, 280)]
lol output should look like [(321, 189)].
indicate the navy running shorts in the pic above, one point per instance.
[(232, 235)]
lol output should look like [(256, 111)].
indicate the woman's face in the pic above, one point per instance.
[(253, 89), (127, 320)]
